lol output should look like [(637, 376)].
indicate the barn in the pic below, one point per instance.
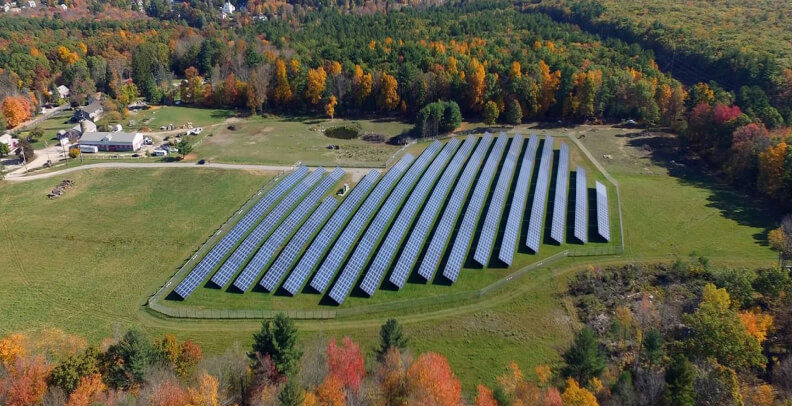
[(115, 141)]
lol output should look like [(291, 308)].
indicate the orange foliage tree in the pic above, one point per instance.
[(346, 363), (330, 392), (25, 382), (430, 381), (757, 323), (16, 109), (771, 169), (88, 391), (169, 393), (12, 347), (549, 84), (484, 397), (392, 377)]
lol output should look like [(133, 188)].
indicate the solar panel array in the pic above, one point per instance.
[(264, 255), (443, 232), (359, 221), (603, 219), (405, 218), (325, 237), (540, 197), (287, 256), (418, 236), (381, 221), (558, 225), (493, 218), (219, 251), (581, 205), (512, 231), (288, 229), (471, 218), (254, 239)]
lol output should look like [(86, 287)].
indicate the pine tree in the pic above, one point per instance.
[(679, 378), (278, 339), (391, 336), (584, 359)]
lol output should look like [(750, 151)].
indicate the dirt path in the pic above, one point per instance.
[(357, 173)]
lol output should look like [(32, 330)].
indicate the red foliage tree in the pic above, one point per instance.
[(346, 363), (722, 113), (484, 397), (431, 381)]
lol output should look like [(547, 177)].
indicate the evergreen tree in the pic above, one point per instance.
[(391, 335), (584, 360), (452, 117), (291, 394), (278, 338), (491, 112), (125, 364), (679, 379)]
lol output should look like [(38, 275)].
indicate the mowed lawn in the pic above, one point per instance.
[(286, 141), (87, 261)]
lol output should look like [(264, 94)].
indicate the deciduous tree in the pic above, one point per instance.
[(574, 395), (430, 381), (346, 363), (317, 80)]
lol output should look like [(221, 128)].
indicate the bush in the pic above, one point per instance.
[(371, 137), (344, 132)]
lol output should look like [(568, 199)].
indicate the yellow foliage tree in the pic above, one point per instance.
[(282, 93), (317, 79), (771, 169), (330, 107), (574, 395), (12, 347), (549, 84), (757, 323), (477, 86), (388, 96)]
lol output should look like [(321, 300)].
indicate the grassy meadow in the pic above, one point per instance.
[(88, 261)]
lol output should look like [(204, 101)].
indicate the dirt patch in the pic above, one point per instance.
[(191, 155)]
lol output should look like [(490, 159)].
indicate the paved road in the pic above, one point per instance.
[(357, 173)]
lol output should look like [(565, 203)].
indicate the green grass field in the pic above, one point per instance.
[(88, 262), (284, 142), (50, 126)]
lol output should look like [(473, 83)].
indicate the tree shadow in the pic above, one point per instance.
[(746, 210)]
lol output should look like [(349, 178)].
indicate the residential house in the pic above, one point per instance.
[(90, 112)]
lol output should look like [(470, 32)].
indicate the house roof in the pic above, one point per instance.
[(110, 137), (92, 108)]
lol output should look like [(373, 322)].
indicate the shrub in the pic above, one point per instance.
[(344, 132)]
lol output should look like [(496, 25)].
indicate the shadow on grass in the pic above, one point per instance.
[(746, 210)]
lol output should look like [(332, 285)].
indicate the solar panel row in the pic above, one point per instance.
[(359, 221), (381, 221), (255, 238), (405, 218), (517, 209), (471, 218), (495, 211), (581, 205), (219, 251), (264, 255), (558, 225), (540, 197), (298, 241), (418, 236), (603, 219), (443, 230), (326, 236)]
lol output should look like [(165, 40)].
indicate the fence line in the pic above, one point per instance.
[(407, 304)]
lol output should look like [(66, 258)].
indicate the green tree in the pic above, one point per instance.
[(36, 133), (653, 346), (491, 113), (291, 394), (513, 112), (452, 117), (67, 374), (25, 150), (4, 149), (184, 147), (738, 282), (773, 283), (718, 332), (679, 379), (584, 360), (391, 336), (125, 363), (278, 338)]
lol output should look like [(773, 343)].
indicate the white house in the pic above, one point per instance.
[(31, 4), (63, 91), (117, 141), (6, 7), (227, 10), (9, 140), (63, 7)]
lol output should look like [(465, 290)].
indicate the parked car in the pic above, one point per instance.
[(201, 162)]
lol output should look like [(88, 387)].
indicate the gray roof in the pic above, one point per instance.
[(92, 108), (111, 137)]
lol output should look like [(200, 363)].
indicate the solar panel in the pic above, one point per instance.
[(326, 236), (495, 211), (581, 206), (427, 220), (255, 238), (405, 218), (381, 221), (517, 209), (470, 221), (446, 225), (284, 230), (540, 197), (219, 251), (558, 225), (298, 241), (350, 235), (603, 219)]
